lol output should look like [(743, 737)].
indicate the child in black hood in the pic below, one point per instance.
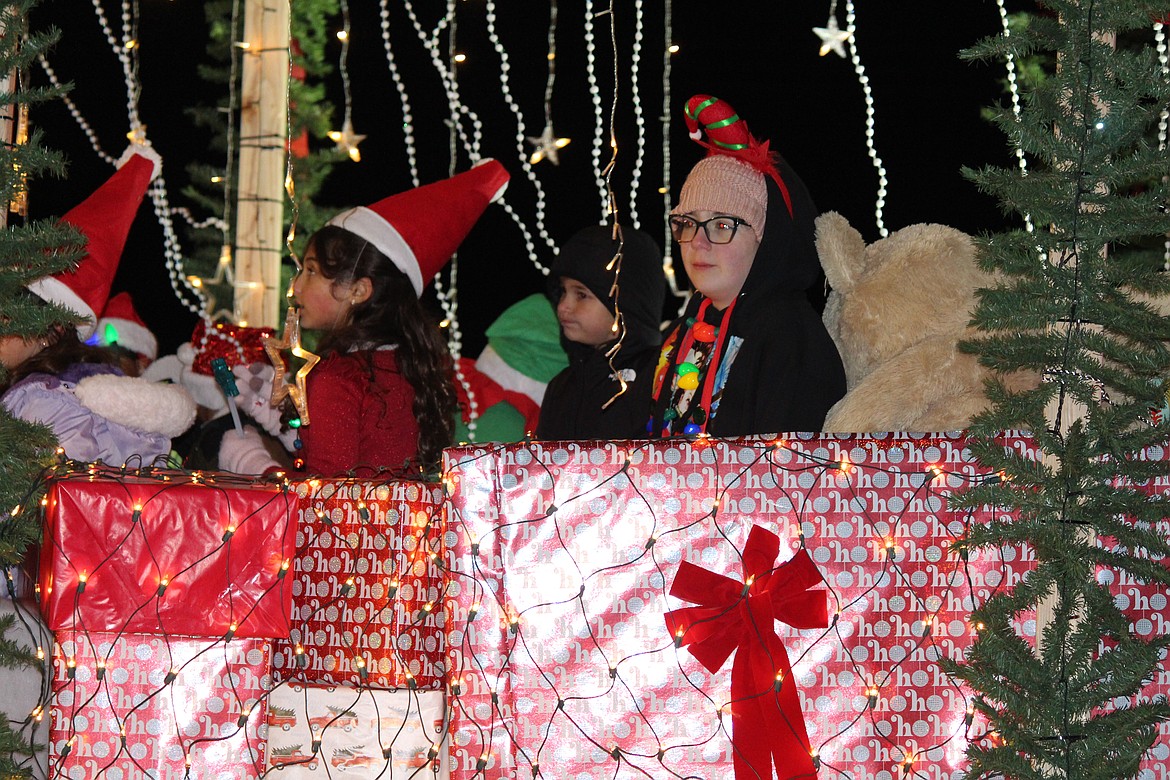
[(587, 399), (750, 355)]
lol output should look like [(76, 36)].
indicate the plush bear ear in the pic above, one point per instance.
[(841, 249)]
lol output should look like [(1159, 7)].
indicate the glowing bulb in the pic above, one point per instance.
[(673, 48), (343, 35), (460, 58)]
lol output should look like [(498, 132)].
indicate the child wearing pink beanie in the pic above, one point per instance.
[(750, 355)]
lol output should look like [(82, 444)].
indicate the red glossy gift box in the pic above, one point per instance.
[(167, 555), (137, 706), (772, 608), (367, 588)]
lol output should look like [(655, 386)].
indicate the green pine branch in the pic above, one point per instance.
[(1072, 306)]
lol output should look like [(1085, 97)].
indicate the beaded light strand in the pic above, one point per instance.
[(449, 301), (403, 97), (90, 135), (668, 51), (1014, 91), (639, 118), (126, 51), (863, 80), (514, 107), (598, 115)]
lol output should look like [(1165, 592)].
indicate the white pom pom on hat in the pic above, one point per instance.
[(420, 229)]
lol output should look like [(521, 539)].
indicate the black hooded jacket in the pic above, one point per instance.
[(787, 373), (573, 399)]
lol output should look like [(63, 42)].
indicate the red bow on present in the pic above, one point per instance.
[(767, 723)]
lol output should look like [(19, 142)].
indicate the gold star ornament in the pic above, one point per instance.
[(290, 341)]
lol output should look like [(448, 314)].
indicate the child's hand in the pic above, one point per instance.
[(244, 453), (254, 382)]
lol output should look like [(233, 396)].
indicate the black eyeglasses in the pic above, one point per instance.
[(719, 230)]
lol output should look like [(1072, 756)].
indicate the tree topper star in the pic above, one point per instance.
[(291, 340), (547, 146), (832, 38)]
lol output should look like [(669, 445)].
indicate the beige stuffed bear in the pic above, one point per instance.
[(897, 311)]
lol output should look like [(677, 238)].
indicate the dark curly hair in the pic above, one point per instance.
[(392, 314), (62, 347)]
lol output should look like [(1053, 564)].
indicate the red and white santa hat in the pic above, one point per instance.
[(120, 324), (104, 218), (420, 229)]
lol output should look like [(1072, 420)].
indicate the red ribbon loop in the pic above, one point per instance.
[(767, 724)]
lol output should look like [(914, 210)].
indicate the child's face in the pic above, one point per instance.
[(719, 270), (583, 318), (15, 350), (324, 305)]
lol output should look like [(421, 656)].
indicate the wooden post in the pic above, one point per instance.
[(263, 131)]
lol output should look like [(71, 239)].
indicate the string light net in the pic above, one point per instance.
[(563, 661)]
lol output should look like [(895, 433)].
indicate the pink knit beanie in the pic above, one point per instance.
[(724, 185)]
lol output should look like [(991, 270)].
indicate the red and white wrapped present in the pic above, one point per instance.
[(137, 706), (367, 587), (772, 608), (339, 731), (169, 554)]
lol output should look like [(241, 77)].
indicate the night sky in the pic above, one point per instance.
[(762, 57)]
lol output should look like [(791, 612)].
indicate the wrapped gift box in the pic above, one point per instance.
[(367, 588), (339, 731), (167, 555), (138, 706), (564, 558)]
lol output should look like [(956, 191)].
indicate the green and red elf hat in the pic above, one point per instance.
[(727, 134)]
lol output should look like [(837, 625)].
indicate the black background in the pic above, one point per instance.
[(762, 57)]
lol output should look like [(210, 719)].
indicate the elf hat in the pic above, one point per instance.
[(421, 228), (104, 218), (120, 324)]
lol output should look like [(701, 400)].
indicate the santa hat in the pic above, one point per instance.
[(190, 366), (420, 229), (121, 325), (104, 218)]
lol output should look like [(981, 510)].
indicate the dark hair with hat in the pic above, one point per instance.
[(586, 257)]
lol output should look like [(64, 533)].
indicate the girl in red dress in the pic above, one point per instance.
[(381, 400)]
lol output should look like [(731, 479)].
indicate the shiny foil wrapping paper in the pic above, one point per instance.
[(367, 586), (148, 556), (563, 556), (136, 706)]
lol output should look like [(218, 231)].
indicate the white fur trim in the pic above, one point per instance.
[(371, 226), (137, 403), (131, 335), (53, 290), (142, 150), (490, 364)]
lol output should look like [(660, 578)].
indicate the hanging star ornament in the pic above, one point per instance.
[(547, 145), (832, 37), (347, 140), (290, 341)]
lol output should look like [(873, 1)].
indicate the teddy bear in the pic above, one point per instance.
[(897, 311)]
